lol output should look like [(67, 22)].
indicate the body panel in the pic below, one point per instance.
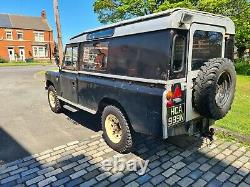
[(52, 77), (68, 85), (140, 101)]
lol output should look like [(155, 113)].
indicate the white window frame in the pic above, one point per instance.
[(39, 52), (20, 33), (39, 36), (9, 32)]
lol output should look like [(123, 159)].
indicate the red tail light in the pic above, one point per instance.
[(177, 92)]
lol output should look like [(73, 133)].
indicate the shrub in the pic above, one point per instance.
[(242, 66), (2, 60)]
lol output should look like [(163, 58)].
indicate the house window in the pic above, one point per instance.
[(9, 35), (39, 51), (39, 36), (19, 35)]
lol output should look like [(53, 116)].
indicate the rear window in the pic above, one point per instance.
[(206, 45)]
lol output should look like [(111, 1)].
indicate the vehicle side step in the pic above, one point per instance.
[(70, 108)]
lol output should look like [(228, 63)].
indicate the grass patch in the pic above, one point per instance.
[(230, 138), (238, 119), (10, 64), (43, 72)]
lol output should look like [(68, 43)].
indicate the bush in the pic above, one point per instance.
[(242, 66), (2, 60)]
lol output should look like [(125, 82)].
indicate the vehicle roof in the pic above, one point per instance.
[(163, 20)]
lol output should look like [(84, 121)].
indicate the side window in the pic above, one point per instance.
[(229, 48), (206, 45), (94, 56), (145, 55), (178, 57), (70, 58)]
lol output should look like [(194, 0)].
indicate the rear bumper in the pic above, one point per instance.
[(196, 126)]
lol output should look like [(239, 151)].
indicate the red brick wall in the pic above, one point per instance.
[(28, 40)]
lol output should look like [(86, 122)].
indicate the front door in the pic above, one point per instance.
[(11, 53), (22, 54), (205, 42), (68, 75)]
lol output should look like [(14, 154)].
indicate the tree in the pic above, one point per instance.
[(239, 12), (110, 11)]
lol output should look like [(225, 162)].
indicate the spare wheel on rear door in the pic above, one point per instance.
[(214, 88)]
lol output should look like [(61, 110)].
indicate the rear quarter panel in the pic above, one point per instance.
[(142, 102)]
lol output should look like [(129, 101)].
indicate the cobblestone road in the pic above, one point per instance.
[(79, 164)]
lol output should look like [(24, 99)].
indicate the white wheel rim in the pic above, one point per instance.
[(113, 128), (52, 99)]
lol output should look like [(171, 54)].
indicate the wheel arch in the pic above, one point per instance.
[(49, 83), (109, 101)]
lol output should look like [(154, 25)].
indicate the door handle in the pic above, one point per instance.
[(73, 84)]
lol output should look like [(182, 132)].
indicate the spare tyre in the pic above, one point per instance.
[(214, 88)]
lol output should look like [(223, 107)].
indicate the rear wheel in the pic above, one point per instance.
[(116, 129), (54, 102)]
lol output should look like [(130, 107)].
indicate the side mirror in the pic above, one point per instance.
[(57, 59)]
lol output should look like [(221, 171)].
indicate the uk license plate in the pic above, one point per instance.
[(176, 115)]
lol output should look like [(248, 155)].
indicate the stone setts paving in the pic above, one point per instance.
[(80, 164)]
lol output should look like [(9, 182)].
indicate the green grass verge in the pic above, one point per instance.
[(238, 119), (231, 138), (43, 72), (10, 64)]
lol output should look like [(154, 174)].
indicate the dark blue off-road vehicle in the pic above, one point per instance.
[(165, 74)]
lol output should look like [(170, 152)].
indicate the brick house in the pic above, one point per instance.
[(25, 37)]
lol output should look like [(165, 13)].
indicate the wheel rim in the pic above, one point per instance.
[(223, 89), (52, 99), (113, 128)]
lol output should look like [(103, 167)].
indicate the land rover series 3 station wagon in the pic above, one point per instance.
[(164, 74)]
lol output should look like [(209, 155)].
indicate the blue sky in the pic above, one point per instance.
[(76, 15)]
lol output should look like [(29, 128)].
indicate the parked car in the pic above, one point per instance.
[(164, 74)]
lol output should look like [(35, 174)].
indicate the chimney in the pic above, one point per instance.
[(43, 14)]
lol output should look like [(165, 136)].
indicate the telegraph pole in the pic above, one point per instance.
[(59, 32)]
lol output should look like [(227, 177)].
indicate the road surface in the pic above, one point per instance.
[(27, 125)]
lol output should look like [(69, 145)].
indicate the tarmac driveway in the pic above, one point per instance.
[(27, 125)]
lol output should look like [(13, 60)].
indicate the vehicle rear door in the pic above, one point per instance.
[(175, 93), (68, 75), (205, 42)]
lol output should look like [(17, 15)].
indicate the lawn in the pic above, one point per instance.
[(24, 64), (238, 119)]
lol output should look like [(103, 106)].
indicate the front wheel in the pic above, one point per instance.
[(54, 103), (116, 130)]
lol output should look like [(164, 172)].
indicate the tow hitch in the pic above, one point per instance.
[(209, 136)]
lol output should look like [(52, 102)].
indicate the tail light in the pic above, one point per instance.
[(174, 97), (170, 95), (177, 92)]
